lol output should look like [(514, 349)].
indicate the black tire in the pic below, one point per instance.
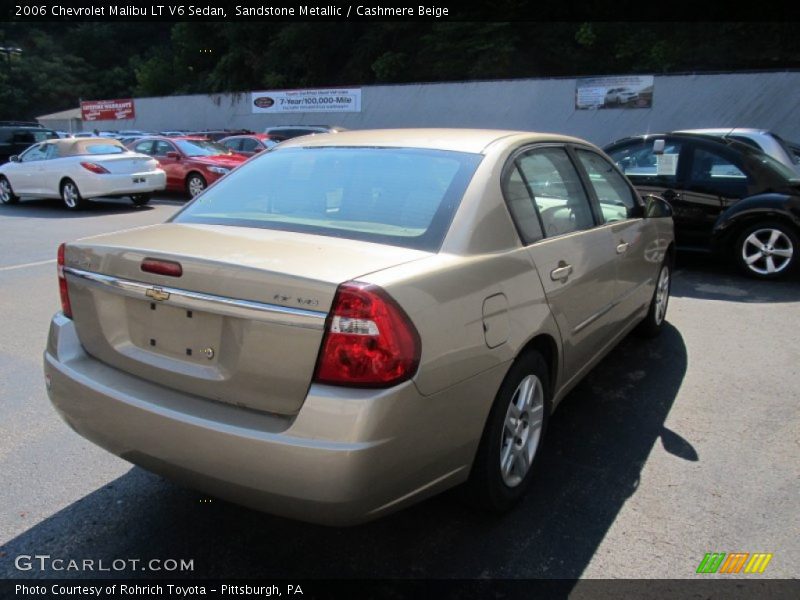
[(71, 196), (653, 323), (487, 487), (7, 195), (140, 199), (777, 239), (195, 184)]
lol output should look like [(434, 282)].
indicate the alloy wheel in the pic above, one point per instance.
[(5, 191), (522, 430), (767, 251), (662, 295), (69, 193)]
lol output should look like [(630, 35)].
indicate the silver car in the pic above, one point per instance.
[(353, 322)]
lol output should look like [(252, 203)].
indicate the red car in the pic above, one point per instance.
[(191, 163), (249, 144)]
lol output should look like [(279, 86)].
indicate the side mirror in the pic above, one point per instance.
[(173, 155), (14, 158), (655, 207)]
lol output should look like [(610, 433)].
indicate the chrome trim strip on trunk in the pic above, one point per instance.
[(245, 309)]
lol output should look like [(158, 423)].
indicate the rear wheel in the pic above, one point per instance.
[(508, 452), (7, 195), (71, 195), (195, 184), (140, 199), (767, 250)]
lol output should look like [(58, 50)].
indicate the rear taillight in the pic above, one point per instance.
[(94, 168), (369, 340), (66, 308), (169, 268)]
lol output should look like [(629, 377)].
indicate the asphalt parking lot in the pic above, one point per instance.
[(669, 449)]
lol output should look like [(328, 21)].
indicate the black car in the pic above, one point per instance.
[(15, 137), (286, 132), (728, 197)]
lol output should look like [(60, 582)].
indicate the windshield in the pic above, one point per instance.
[(399, 196), (201, 148)]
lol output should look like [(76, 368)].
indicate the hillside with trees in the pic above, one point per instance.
[(61, 63)]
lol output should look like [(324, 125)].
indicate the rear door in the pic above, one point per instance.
[(575, 258), (715, 179), (173, 167)]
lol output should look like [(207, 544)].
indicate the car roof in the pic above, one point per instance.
[(725, 131), (475, 141), (706, 137), (166, 138), (77, 146)]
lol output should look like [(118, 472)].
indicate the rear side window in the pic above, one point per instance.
[(400, 196), (615, 196), (558, 195), (144, 147), (234, 144)]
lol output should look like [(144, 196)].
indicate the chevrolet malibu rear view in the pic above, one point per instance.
[(350, 323)]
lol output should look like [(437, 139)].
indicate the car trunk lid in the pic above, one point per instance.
[(242, 325)]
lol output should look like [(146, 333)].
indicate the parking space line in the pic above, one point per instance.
[(31, 264)]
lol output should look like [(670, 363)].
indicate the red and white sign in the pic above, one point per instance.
[(107, 110)]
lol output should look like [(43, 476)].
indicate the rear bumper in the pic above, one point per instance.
[(348, 456), (123, 185)]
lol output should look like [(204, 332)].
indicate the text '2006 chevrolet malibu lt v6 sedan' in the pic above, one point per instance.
[(350, 323)]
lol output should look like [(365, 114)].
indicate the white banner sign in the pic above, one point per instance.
[(616, 91), (300, 101)]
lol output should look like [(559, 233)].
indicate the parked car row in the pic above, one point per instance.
[(729, 195)]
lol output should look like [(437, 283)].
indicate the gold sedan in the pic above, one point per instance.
[(350, 323)]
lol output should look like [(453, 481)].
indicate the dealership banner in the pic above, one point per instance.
[(107, 110), (299, 101), (620, 91)]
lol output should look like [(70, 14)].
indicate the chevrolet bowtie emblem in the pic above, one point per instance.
[(156, 293)]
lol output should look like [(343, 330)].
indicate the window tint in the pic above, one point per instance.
[(521, 207), (51, 151), (104, 149), (234, 144), (712, 173), (708, 165), (616, 199), (250, 145), (399, 196), (144, 147), (34, 153), (160, 148), (557, 191), (638, 160)]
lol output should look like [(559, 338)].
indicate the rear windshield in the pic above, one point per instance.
[(398, 196), (103, 149)]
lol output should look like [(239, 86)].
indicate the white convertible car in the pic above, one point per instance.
[(76, 169)]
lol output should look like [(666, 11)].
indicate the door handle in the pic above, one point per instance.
[(561, 273), (622, 247)]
